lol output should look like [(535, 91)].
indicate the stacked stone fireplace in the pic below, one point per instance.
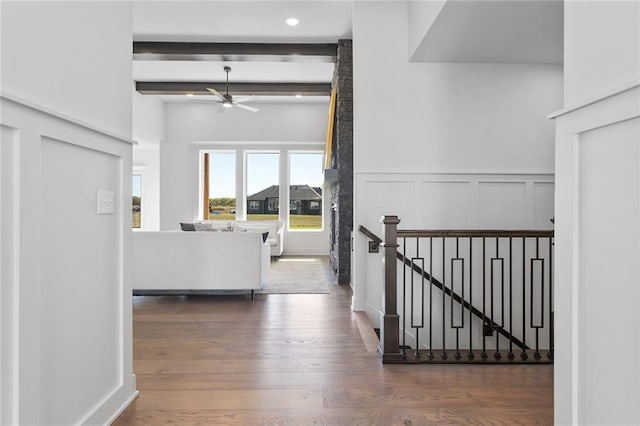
[(341, 185)]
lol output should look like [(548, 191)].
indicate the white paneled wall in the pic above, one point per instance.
[(65, 296), (598, 217), (598, 247), (442, 201), (9, 290)]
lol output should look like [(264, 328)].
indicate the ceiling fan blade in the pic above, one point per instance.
[(245, 107), (240, 99), (215, 92)]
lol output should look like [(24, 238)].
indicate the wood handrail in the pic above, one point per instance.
[(373, 237), (473, 233)]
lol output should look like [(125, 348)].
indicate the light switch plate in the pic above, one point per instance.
[(105, 202)]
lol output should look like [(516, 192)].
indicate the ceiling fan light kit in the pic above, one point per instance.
[(227, 100)]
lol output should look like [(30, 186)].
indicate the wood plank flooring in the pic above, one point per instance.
[(300, 359)]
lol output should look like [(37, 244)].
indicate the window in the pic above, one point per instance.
[(273, 204), (263, 185), (136, 200), (221, 185), (305, 191), (254, 206)]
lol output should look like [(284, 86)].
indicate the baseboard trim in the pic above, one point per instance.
[(123, 407)]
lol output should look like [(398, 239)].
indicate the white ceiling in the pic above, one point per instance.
[(242, 21), (239, 21), (502, 31)]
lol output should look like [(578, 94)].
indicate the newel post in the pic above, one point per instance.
[(389, 348)]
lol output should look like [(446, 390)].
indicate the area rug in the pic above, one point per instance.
[(297, 275)]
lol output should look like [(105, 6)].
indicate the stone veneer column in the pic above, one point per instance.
[(341, 192)]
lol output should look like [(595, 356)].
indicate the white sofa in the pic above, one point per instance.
[(194, 261), (274, 227)]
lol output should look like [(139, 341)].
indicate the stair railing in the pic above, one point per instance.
[(428, 299)]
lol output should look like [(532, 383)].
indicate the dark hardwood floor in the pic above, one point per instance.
[(300, 359)]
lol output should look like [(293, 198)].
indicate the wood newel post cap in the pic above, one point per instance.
[(390, 220)]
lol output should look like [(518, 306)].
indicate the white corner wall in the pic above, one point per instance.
[(449, 145), (65, 298), (598, 217), (191, 127)]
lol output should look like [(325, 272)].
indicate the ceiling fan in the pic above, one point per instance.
[(229, 101)]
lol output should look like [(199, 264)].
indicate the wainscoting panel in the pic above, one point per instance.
[(608, 274), (598, 257), (543, 193), (445, 204), (394, 196), (441, 201), (65, 297), (83, 286), (502, 205), (9, 217)]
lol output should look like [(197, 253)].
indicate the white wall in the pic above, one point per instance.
[(65, 295), (195, 126), (148, 131), (70, 57), (447, 143), (597, 217), (601, 47)]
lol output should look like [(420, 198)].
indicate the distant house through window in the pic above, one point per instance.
[(136, 200), (263, 196), (305, 191)]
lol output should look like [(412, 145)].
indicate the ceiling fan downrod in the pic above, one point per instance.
[(227, 103)]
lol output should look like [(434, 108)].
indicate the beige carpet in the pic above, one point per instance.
[(298, 275)]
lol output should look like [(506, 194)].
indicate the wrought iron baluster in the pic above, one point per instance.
[(497, 354), (417, 327), (483, 354), (537, 327), (431, 298), (470, 355), (443, 355), (453, 325), (404, 300), (510, 354), (523, 354)]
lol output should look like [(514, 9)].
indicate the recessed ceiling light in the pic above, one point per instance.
[(190, 95), (292, 22), (298, 96)]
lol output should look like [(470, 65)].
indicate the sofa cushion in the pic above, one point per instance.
[(217, 225), (259, 226)]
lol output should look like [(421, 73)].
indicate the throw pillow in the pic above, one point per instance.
[(187, 226)]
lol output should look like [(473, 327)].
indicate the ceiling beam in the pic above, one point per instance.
[(257, 89), (275, 52)]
